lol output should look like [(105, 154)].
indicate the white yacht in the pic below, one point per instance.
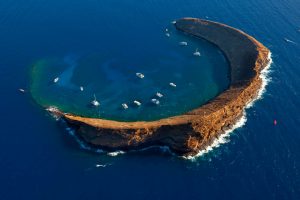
[(137, 103), (125, 106), (158, 94), (173, 22), (95, 102), (155, 101), (99, 165), (167, 30), (81, 88), (197, 53), (21, 90), (140, 75), (168, 34), (56, 80), (183, 43), (172, 84)]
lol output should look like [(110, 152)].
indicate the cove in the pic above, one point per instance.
[(110, 76)]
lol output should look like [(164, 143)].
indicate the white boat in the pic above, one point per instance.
[(81, 88), (173, 22), (21, 90), (183, 43), (56, 80), (140, 75), (124, 105), (98, 165), (95, 102), (158, 94), (167, 30), (168, 34), (155, 101), (197, 53), (172, 84), (137, 103)]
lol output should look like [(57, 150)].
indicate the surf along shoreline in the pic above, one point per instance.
[(194, 131)]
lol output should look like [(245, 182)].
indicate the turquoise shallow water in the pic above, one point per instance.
[(40, 160), (110, 75)]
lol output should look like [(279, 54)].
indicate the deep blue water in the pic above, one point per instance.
[(39, 160)]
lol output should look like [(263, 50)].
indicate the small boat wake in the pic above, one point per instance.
[(289, 41), (102, 165), (95, 103)]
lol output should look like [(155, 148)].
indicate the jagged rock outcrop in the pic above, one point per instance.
[(188, 133)]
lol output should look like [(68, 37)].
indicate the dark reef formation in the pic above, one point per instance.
[(188, 133)]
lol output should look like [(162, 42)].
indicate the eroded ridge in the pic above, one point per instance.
[(189, 133)]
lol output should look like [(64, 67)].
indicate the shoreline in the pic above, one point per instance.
[(190, 133), (240, 122)]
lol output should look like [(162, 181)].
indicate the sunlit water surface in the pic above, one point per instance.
[(40, 160), (109, 75)]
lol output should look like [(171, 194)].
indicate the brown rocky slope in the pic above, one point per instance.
[(188, 133)]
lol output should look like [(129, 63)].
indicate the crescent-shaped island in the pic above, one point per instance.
[(193, 131)]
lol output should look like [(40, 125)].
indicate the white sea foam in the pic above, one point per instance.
[(264, 75), (54, 112), (115, 153), (224, 138)]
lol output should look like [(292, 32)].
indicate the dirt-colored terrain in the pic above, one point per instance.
[(188, 133)]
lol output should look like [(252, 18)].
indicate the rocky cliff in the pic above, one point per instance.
[(187, 134)]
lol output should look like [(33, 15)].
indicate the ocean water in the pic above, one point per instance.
[(110, 76), (40, 159)]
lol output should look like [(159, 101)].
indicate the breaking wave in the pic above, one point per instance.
[(115, 153), (224, 138)]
